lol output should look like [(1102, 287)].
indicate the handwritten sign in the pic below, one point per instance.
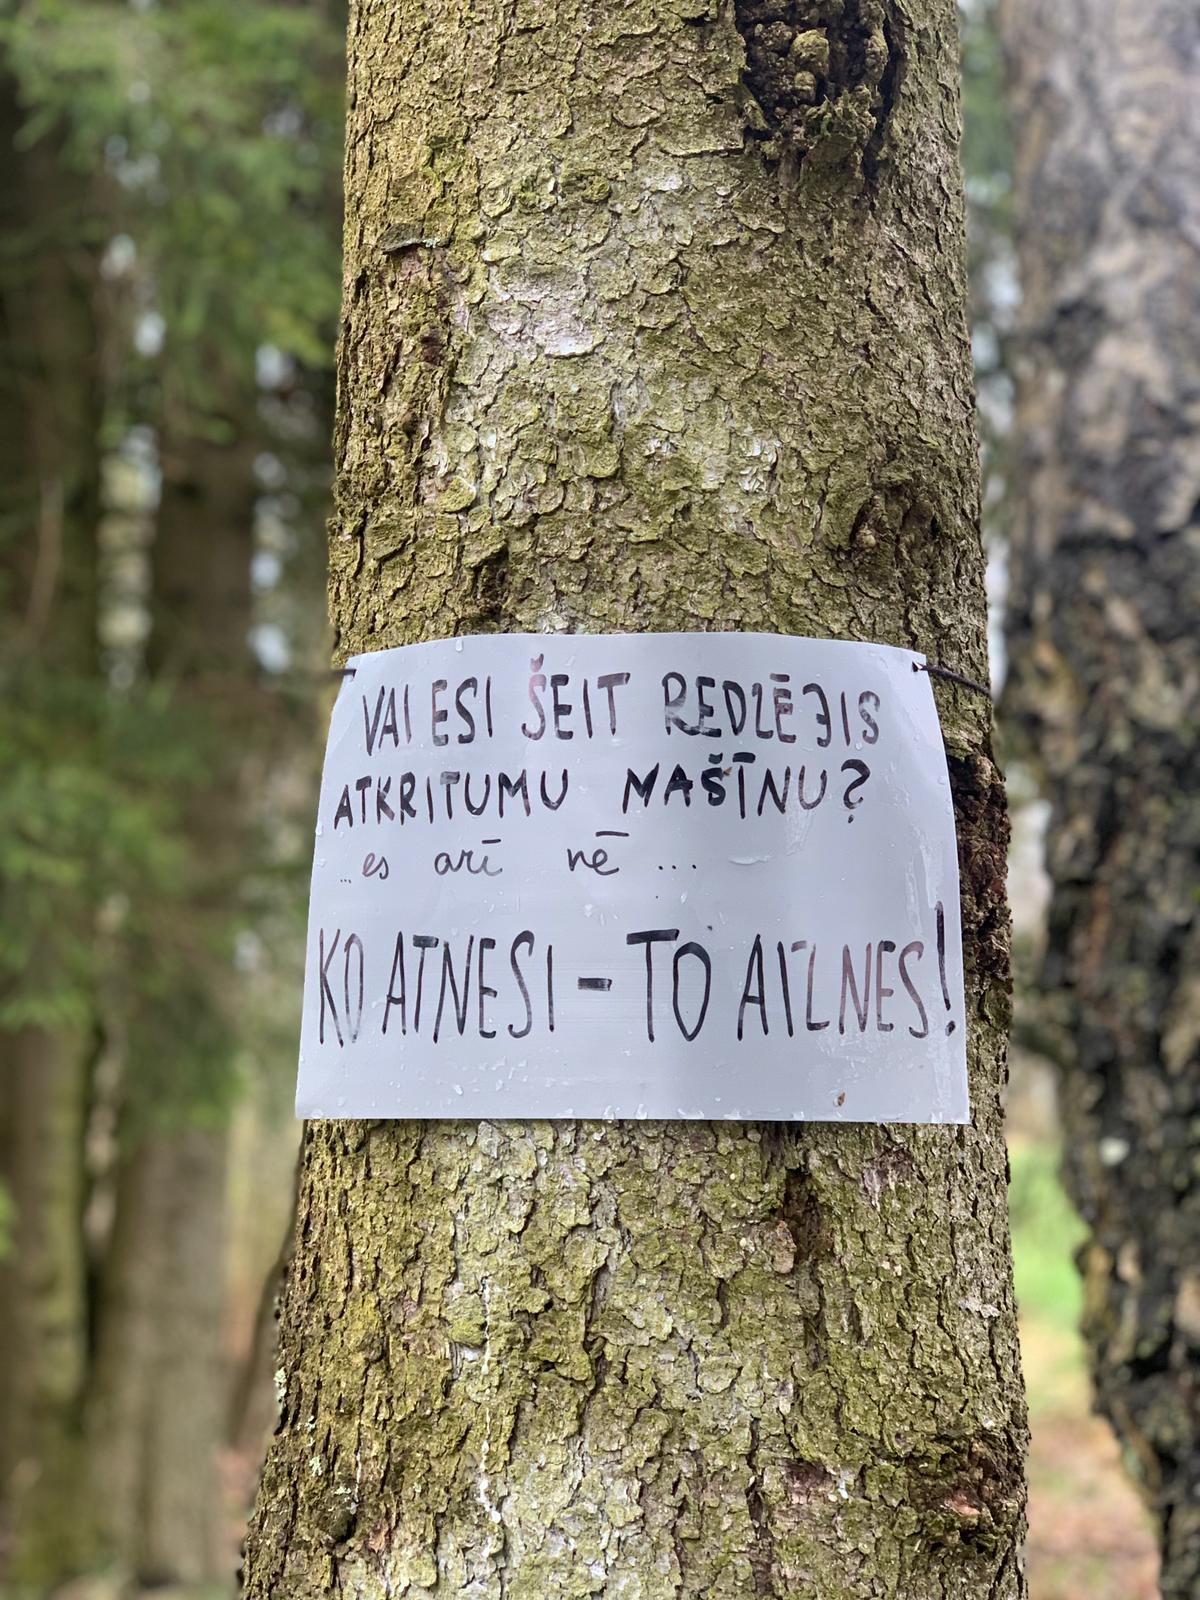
[(653, 875)]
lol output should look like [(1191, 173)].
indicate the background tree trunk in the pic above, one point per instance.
[(1105, 677), (653, 318), (49, 509), (158, 1406)]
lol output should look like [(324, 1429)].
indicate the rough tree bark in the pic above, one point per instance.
[(1106, 678), (653, 319)]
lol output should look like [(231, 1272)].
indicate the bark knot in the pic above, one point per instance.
[(824, 75)]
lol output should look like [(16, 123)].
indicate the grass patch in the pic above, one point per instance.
[(1046, 1233)]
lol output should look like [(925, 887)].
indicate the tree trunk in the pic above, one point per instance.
[(644, 331), (158, 1407), (43, 1291), (49, 508), (1106, 673)]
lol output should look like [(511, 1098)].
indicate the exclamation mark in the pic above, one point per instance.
[(941, 944)]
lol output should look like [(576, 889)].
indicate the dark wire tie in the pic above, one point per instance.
[(954, 677)]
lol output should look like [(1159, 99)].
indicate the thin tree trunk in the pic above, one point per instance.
[(1106, 678), (49, 508), (159, 1402), (264, 1199), (637, 336), (156, 1405), (42, 1289)]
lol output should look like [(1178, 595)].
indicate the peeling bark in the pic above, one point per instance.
[(610, 362), (1106, 679)]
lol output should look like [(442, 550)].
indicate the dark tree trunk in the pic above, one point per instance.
[(49, 510), (1105, 648)]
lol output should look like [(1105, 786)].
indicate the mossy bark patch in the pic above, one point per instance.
[(689, 386)]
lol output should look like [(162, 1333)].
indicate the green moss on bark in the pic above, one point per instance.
[(652, 376)]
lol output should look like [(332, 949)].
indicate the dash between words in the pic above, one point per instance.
[(443, 987)]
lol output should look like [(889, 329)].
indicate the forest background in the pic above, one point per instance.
[(169, 287)]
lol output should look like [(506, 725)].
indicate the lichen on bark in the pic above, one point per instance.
[(609, 363)]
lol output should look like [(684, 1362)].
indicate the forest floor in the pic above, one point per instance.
[(1089, 1535)]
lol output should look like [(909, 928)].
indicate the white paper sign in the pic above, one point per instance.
[(641, 875)]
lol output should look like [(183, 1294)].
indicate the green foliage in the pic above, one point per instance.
[(99, 882), (987, 160), (987, 142), (1046, 1233), (213, 129), (74, 833), (202, 141)]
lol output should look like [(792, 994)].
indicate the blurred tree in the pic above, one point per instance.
[(212, 125), (1105, 677), (158, 1397), (50, 460), (643, 331), (195, 157), (991, 276)]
